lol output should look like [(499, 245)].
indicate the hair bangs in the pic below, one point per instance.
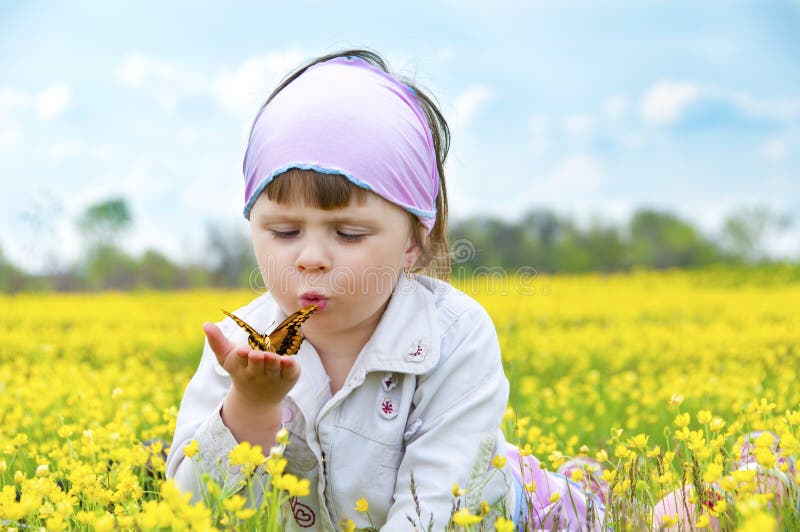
[(314, 189)]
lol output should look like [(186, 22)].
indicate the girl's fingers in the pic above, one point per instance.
[(217, 341), (220, 345), (289, 369), (272, 363)]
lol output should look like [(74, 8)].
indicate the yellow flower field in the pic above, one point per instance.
[(656, 375)]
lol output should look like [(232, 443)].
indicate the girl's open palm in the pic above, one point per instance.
[(259, 377)]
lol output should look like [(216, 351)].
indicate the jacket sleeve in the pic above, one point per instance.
[(199, 418), (458, 407)]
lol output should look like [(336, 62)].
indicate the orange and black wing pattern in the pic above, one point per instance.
[(254, 338), (285, 339)]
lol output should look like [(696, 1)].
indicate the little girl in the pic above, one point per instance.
[(400, 373)]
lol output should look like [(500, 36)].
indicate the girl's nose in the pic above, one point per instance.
[(313, 256)]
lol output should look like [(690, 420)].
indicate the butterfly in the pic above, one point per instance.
[(285, 339)]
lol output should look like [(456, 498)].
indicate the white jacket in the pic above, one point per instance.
[(425, 395)]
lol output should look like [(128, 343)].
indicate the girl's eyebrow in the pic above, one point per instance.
[(285, 218)]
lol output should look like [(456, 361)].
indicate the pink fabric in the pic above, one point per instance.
[(570, 512), (347, 117)]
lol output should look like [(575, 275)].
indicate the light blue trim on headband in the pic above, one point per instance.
[(352, 179), (421, 214)]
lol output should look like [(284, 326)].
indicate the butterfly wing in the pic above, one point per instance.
[(254, 338), (286, 338)]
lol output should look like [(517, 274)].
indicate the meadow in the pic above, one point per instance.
[(657, 377)]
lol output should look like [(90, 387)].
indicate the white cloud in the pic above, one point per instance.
[(9, 137), (444, 54), (666, 100), (578, 126), (66, 149), (166, 82), (572, 182), (616, 106), (245, 88), (779, 110), (242, 89), (53, 101), (71, 149), (774, 149), (578, 174), (469, 103), (12, 100), (541, 141)]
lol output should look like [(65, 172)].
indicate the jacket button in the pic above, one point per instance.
[(389, 382), (416, 353), (387, 408)]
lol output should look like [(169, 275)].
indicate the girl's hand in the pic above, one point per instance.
[(259, 378)]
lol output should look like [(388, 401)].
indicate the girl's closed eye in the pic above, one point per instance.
[(287, 233), (350, 237)]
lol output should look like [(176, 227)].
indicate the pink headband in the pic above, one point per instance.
[(345, 116)]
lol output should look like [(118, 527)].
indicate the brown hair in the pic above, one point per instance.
[(333, 191)]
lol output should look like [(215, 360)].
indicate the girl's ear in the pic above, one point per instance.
[(413, 250)]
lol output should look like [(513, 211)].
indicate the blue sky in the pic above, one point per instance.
[(587, 108)]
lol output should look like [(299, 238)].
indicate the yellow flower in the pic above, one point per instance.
[(716, 424), (654, 452), (727, 483), (246, 513), (246, 455), (759, 522), (464, 517), (719, 507), (282, 436), (531, 487), (191, 449), (576, 475), (675, 399), (639, 441), (792, 417), (703, 416), (703, 521), (682, 420), (362, 505), (458, 492), (234, 503), (668, 521), (42, 470), (348, 525), (485, 509), (104, 523), (555, 497), (765, 457), (712, 473), (608, 475), (556, 459), (744, 475), (621, 451), (292, 485), (276, 465), (498, 461), (19, 476), (601, 455), (502, 524)]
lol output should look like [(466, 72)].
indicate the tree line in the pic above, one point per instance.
[(541, 240)]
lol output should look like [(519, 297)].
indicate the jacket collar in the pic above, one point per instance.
[(406, 340)]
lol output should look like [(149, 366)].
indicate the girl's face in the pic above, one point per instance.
[(350, 258)]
